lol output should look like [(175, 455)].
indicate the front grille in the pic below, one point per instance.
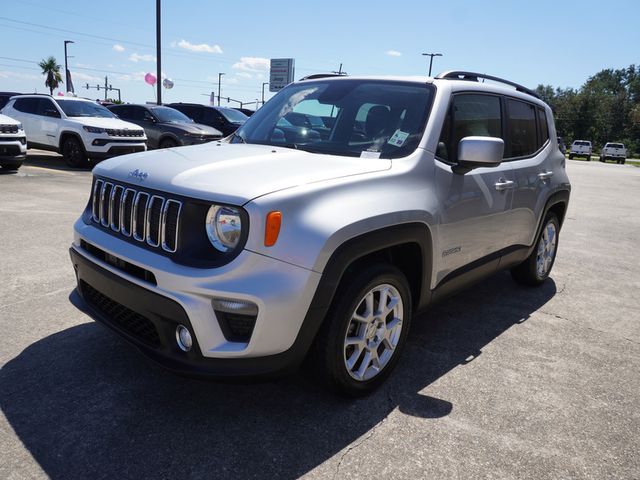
[(118, 132), (132, 213), (8, 128), (122, 317)]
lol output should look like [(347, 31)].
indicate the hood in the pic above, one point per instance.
[(8, 120), (196, 128), (231, 173), (115, 123)]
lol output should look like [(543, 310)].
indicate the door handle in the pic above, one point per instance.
[(505, 185), (545, 176)]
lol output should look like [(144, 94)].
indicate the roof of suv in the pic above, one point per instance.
[(457, 79)]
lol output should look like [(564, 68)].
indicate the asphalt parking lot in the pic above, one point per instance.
[(497, 382)]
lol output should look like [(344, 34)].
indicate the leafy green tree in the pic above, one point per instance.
[(51, 69)]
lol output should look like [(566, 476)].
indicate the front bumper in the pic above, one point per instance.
[(12, 151), (111, 150), (284, 328)]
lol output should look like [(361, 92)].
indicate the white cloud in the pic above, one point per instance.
[(252, 64), (230, 80), (79, 76), (135, 57), (394, 53), (23, 76), (244, 75), (197, 47), (118, 48), (135, 76)]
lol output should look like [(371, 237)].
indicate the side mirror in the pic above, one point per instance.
[(475, 152), (50, 112)]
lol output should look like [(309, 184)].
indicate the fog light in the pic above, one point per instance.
[(183, 338)]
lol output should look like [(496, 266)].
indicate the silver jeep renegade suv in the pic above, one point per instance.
[(339, 210)]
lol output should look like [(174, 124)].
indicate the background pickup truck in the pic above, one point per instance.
[(580, 148), (613, 151)]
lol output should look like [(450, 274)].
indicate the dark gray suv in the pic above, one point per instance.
[(166, 127)]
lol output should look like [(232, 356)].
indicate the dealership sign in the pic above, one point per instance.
[(281, 73)]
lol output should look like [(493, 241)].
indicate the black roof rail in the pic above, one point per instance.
[(474, 77), (322, 75)]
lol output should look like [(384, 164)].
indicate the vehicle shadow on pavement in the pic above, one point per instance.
[(52, 162), (86, 405)]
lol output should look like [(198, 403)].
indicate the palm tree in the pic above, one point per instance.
[(51, 69)]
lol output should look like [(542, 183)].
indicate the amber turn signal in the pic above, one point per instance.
[(272, 228)]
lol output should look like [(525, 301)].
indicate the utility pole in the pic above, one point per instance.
[(158, 55), (263, 84), (431, 59), (67, 77), (219, 81)]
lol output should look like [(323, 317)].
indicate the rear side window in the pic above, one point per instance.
[(521, 129), (542, 126), (26, 105), (470, 115)]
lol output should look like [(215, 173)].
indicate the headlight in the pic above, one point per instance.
[(224, 227), (93, 129), (20, 127)]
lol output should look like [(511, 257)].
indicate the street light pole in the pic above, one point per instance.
[(263, 84), (431, 59), (158, 55), (66, 68), (219, 81)]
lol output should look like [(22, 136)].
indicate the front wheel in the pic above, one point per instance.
[(537, 267), (73, 153), (168, 143), (365, 330)]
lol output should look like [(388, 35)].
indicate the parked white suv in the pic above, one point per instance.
[(286, 241), (580, 148), (13, 143), (79, 129), (614, 151)]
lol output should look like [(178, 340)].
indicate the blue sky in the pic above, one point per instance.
[(552, 42)]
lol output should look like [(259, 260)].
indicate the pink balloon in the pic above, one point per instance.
[(150, 78), (60, 94)]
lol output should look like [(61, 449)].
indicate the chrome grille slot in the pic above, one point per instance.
[(152, 219), (126, 211), (105, 202), (170, 225), (154, 214), (139, 215), (116, 204), (95, 201)]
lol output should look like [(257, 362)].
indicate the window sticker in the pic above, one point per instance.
[(369, 154), (398, 138)]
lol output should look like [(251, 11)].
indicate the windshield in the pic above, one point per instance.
[(357, 118), (234, 116), (78, 108), (170, 115)]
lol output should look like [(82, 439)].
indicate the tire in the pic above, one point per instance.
[(624, 160), (168, 143), (73, 153), (570, 156), (338, 361), (537, 267), (588, 157), (11, 168)]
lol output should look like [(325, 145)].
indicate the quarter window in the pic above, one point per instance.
[(26, 105), (521, 129), (542, 126)]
